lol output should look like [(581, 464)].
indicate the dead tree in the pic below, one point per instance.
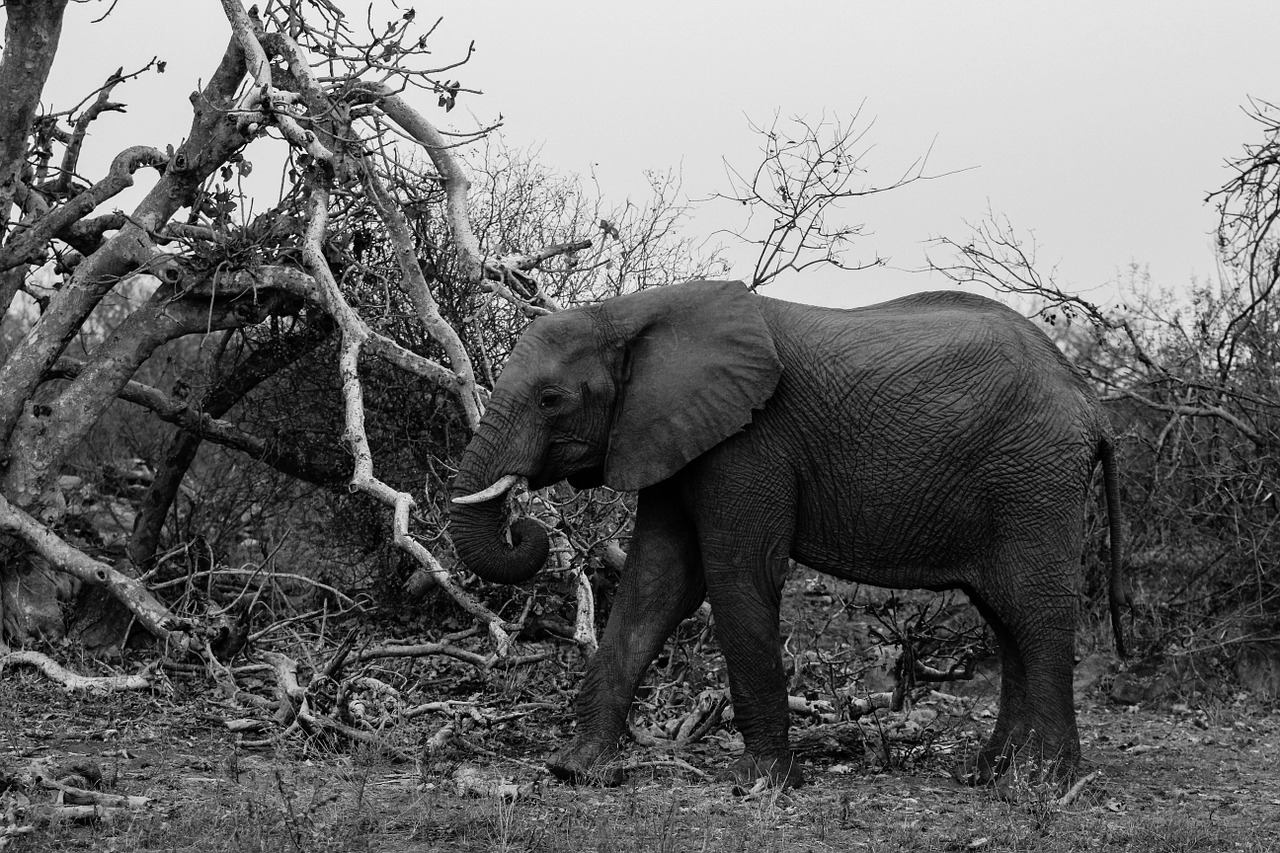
[(206, 268)]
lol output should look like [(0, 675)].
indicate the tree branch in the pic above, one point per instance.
[(27, 244)]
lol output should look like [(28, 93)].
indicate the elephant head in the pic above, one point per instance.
[(623, 393)]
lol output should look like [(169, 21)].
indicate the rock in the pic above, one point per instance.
[(31, 598), (922, 716), (1258, 669), (1146, 682)]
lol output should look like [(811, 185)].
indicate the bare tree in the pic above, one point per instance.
[(299, 76), (794, 196)]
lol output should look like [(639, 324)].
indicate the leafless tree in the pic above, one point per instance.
[(340, 100), (794, 197)]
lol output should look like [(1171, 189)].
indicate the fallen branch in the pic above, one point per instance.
[(861, 706), (291, 694), (75, 796), (819, 708), (70, 681), (152, 615), (425, 649), (46, 814)]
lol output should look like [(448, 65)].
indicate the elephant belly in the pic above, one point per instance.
[(906, 545)]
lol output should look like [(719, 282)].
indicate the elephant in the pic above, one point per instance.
[(936, 441)]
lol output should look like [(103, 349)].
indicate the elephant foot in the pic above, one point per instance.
[(784, 771), (586, 762)]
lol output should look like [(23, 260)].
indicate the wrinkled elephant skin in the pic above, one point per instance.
[(936, 441)]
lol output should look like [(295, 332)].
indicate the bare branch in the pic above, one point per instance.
[(414, 285), (355, 334), (27, 244), (808, 171)]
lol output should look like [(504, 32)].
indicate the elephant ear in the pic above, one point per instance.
[(699, 359)]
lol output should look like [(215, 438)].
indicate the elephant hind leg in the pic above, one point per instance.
[(1036, 725), (990, 761)]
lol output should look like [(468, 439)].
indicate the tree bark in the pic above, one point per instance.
[(32, 31)]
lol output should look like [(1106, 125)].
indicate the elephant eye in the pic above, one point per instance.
[(549, 399)]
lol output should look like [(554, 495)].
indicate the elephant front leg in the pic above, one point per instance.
[(662, 584)]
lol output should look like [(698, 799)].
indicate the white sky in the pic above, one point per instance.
[(1099, 126)]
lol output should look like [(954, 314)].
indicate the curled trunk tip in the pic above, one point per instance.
[(477, 531)]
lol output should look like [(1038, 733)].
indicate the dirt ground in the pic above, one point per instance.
[(1185, 777)]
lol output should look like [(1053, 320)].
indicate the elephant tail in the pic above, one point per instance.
[(1119, 590)]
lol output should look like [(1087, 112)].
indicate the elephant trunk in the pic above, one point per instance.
[(477, 523), (477, 531)]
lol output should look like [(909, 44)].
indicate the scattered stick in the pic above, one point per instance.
[(1071, 795), (273, 741), (366, 738), (707, 725), (669, 761)]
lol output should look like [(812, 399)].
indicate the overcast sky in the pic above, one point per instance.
[(1099, 126)]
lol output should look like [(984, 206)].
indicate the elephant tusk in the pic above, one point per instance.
[(498, 488)]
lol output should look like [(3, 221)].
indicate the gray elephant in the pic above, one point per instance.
[(938, 441)]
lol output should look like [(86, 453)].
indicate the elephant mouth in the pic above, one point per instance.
[(588, 479)]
